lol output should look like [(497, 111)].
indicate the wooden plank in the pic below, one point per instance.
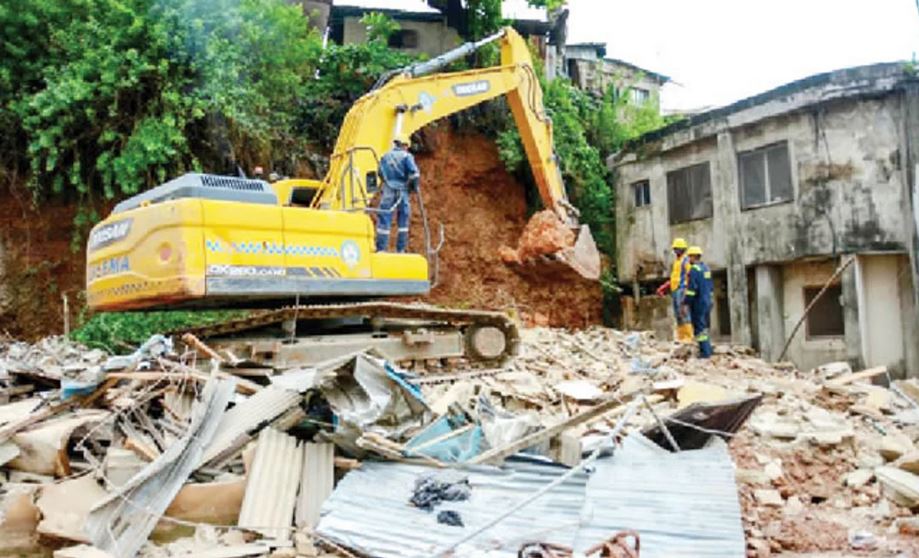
[(497, 454), (856, 376)]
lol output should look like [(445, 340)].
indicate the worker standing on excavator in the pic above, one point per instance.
[(698, 299), (676, 286), (401, 177)]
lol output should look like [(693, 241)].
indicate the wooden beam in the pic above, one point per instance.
[(856, 376), (611, 408)]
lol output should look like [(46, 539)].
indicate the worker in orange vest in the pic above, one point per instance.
[(676, 286)]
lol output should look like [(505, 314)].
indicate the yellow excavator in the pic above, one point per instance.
[(218, 241)]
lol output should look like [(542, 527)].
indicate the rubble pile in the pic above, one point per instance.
[(181, 451)]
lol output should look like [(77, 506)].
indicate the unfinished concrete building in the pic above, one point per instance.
[(430, 28), (588, 68), (780, 190)]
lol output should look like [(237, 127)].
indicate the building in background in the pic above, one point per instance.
[(779, 190), (431, 28), (588, 68)]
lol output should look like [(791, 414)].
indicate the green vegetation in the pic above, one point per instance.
[(118, 331), (105, 98), (587, 130)]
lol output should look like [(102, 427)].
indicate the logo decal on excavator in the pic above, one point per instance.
[(109, 234), (426, 101), (471, 88), (350, 253)]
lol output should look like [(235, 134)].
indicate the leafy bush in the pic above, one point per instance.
[(587, 130), (118, 98), (118, 332)]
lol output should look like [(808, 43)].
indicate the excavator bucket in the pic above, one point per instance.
[(583, 257), (550, 247)]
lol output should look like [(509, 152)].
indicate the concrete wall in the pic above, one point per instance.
[(597, 75), (434, 37), (807, 353), (850, 174), (845, 174)]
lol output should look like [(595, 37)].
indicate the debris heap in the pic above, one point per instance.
[(178, 450)]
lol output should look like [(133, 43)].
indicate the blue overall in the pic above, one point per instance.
[(397, 167), (698, 297)]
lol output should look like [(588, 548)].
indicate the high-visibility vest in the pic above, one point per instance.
[(679, 273)]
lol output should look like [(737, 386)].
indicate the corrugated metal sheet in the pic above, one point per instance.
[(370, 510), (316, 483), (271, 489), (682, 504), (267, 404)]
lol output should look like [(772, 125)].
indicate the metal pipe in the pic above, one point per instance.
[(439, 62)]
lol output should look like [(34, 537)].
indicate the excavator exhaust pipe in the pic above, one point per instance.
[(548, 246)]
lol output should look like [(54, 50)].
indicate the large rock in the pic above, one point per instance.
[(908, 462), (902, 487), (894, 445)]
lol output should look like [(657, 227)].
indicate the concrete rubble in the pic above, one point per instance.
[(164, 453)]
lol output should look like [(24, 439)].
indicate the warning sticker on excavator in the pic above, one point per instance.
[(471, 88), (350, 253)]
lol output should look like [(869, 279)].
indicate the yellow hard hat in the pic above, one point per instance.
[(694, 251), (679, 244), (403, 139)]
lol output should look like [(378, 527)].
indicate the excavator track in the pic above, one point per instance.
[(289, 337)]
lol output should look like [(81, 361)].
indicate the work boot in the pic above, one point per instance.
[(684, 333)]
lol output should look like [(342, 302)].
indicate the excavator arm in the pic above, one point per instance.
[(415, 97)]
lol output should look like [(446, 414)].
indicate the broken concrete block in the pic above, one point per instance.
[(768, 497), (460, 392), (827, 438), (699, 392), (579, 390), (773, 469), (793, 506), (65, 507), (751, 476), (879, 397), (902, 487), (42, 447), (773, 426), (894, 445), (858, 477)]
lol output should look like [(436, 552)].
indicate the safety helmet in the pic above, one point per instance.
[(679, 244), (402, 139), (694, 251)]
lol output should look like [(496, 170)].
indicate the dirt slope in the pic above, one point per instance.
[(483, 208)]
